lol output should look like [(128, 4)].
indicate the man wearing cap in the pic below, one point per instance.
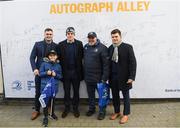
[(70, 52), (96, 70), (38, 52), (122, 74)]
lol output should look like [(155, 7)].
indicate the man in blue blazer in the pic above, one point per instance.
[(39, 51)]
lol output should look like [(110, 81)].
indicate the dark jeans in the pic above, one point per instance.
[(51, 104), (91, 89), (75, 82), (37, 93), (116, 98)]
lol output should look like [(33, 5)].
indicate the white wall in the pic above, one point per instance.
[(1, 83), (154, 35)]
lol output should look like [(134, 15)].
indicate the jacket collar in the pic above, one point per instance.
[(97, 43), (45, 59), (70, 42), (112, 49), (46, 42)]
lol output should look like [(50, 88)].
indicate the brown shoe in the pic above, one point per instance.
[(35, 115), (124, 120), (115, 116)]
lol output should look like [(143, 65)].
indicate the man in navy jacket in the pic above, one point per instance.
[(96, 70), (38, 52)]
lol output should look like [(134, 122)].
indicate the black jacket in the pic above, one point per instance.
[(78, 57), (38, 53), (126, 66), (96, 63)]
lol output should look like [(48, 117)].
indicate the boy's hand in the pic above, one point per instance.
[(36, 72), (53, 73), (49, 72)]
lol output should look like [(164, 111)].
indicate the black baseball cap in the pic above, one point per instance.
[(70, 29), (52, 52), (92, 34)]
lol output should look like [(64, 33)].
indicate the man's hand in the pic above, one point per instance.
[(130, 81), (53, 74), (36, 72), (49, 72)]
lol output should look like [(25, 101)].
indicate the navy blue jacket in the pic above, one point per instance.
[(48, 65), (96, 63), (38, 53)]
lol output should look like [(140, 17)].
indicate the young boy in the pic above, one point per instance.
[(50, 68)]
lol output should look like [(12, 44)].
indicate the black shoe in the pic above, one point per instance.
[(65, 113), (101, 115), (45, 122), (53, 116), (76, 113), (90, 113)]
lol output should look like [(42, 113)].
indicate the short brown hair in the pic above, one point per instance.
[(48, 29), (116, 31)]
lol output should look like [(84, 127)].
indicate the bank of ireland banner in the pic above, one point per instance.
[(151, 26)]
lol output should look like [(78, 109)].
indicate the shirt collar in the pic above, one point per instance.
[(48, 42), (70, 42)]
